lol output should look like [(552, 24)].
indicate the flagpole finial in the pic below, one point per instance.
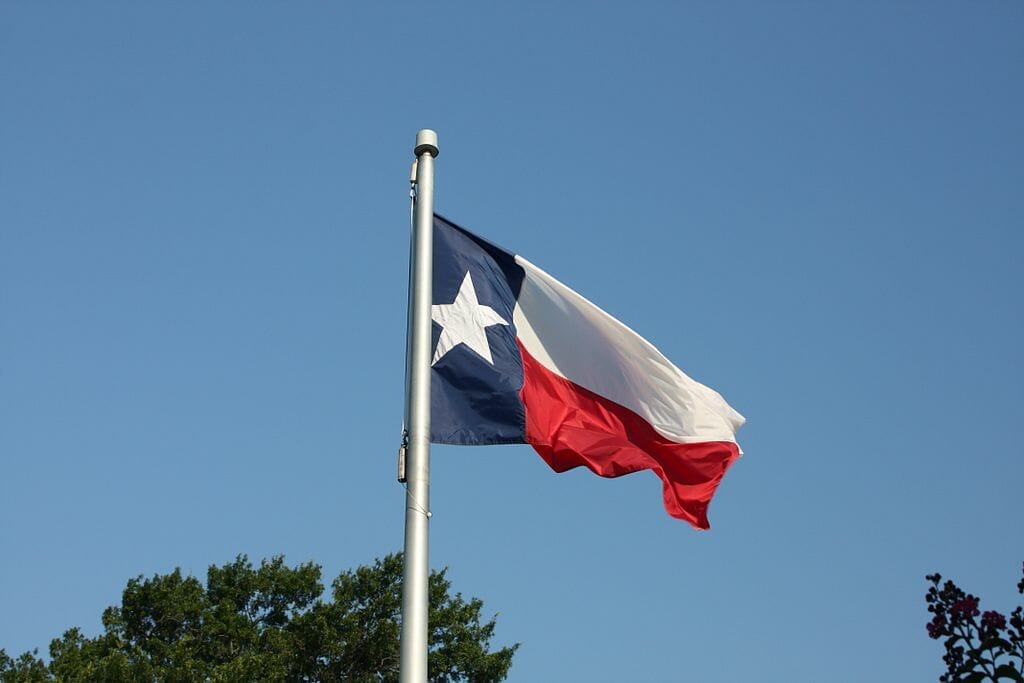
[(426, 141)]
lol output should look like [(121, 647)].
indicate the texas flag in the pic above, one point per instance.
[(521, 358)]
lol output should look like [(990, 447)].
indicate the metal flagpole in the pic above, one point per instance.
[(415, 589)]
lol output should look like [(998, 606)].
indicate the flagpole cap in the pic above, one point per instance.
[(426, 141)]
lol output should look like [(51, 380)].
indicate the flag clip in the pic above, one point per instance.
[(401, 457)]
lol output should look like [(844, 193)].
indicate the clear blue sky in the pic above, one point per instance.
[(815, 208)]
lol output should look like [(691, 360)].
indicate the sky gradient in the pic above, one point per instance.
[(814, 208)]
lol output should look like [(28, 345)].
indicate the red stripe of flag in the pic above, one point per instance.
[(570, 426)]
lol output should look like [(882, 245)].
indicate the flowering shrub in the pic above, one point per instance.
[(980, 646)]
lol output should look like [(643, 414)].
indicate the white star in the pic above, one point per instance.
[(464, 321)]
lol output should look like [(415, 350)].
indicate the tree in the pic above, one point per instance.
[(268, 624), (989, 648)]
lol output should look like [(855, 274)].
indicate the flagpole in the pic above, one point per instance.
[(415, 588)]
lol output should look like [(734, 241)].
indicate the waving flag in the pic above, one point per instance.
[(521, 358)]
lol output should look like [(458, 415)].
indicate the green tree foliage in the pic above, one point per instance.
[(268, 623), (980, 646)]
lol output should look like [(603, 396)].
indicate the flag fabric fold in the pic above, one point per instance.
[(518, 357)]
